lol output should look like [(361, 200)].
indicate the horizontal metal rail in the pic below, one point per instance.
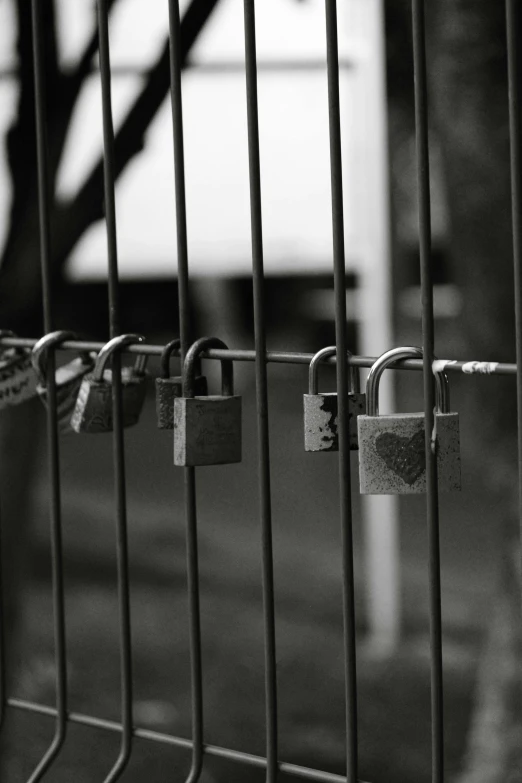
[(466, 366), (217, 67), (305, 773)]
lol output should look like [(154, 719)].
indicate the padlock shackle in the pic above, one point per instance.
[(324, 353), (116, 344), (166, 355), (167, 352), (442, 398), (189, 368), (44, 344)]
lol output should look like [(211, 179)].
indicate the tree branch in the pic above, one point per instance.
[(62, 90), (20, 288), (86, 207), (65, 97), (83, 68)]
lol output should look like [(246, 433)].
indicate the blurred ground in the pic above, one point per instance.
[(394, 700)]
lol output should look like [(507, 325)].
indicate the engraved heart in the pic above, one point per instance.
[(404, 456)]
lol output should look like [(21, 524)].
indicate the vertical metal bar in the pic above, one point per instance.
[(513, 21), (3, 693), (109, 176), (179, 174), (196, 671), (261, 389), (342, 391), (44, 185), (196, 668), (428, 339), (118, 438), (44, 205)]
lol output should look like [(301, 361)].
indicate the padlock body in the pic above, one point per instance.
[(68, 380), (320, 420), (17, 379), (392, 453), (167, 389), (93, 412), (207, 430)]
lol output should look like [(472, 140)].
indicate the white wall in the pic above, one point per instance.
[(294, 142)]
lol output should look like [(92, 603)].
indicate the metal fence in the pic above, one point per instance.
[(271, 762)]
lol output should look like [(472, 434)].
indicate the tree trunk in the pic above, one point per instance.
[(469, 80)]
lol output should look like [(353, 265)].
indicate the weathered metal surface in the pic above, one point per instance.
[(68, 379), (392, 457), (167, 389), (320, 420), (404, 456), (17, 377), (93, 412), (207, 430)]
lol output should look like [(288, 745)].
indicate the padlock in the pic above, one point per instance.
[(320, 409), (392, 458), (207, 429), (17, 376), (168, 388), (68, 377), (93, 412)]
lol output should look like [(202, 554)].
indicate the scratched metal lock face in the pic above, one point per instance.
[(320, 410), (392, 458), (207, 429), (93, 412), (168, 388), (68, 381), (320, 420), (17, 377)]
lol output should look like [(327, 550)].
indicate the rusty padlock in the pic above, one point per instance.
[(17, 376), (392, 457), (207, 429), (320, 409), (169, 387), (93, 412), (68, 377)]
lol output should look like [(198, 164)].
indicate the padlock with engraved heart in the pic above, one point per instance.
[(17, 377), (320, 409), (169, 387), (68, 377), (93, 412), (392, 457)]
